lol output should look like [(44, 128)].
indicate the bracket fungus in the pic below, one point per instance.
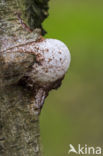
[(52, 60)]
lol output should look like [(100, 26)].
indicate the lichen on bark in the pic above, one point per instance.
[(34, 12), (21, 21)]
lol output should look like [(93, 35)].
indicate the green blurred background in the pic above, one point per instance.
[(74, 113)]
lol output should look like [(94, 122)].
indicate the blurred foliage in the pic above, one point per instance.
[(74, 113)]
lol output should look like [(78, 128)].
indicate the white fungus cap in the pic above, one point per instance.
[(55, 60)]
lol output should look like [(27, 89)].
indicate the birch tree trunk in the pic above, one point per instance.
[(20, 23)]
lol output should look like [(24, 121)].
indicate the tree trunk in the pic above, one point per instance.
[(20, 23)]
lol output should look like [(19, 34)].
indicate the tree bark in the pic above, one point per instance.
[(20, 23)]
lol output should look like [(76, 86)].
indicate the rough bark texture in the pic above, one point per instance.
[(20, 23), (19, 125)]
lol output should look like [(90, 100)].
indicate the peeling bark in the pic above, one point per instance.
[(20, 23)]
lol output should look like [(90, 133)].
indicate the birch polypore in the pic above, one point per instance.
[(52, 62)]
